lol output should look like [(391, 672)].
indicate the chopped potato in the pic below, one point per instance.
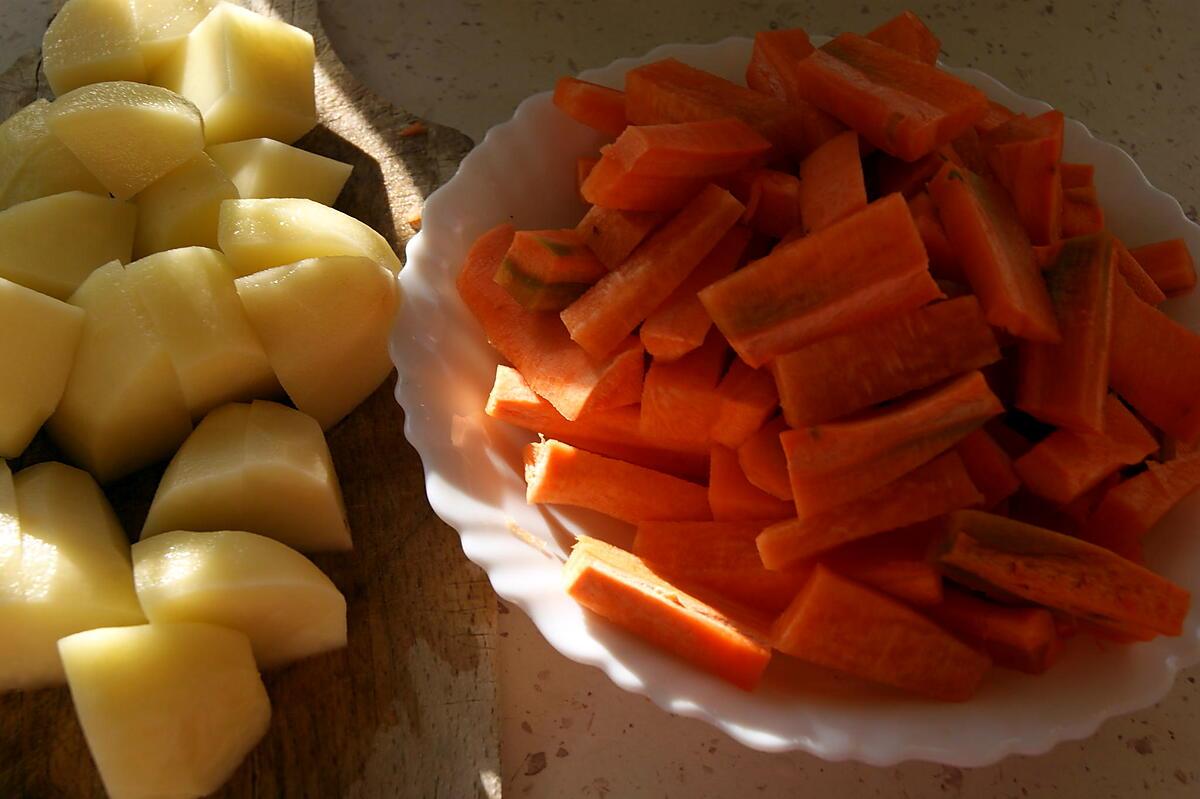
[(34, 163), (90, 41), (163, 25), (181, 208), (263, 168)]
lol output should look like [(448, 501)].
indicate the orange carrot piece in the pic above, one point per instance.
[(583, 168), (602, 318), (681, 323), (1155, 365), (966, 150), (868, 266), (617, 586), (614, 433), (613, 234), (943, 260), (1132, 508), (1074, 176), (733, 498), (720, 556), (591, 104), (902, 106), (560, 474), (1080, 509), (538, 346), (907, 177), (838, 462), (1169, 264), (1136, 276), (706, 148), (995, 554), (846, 373), (990, 467), (906, 33), (611, 185), (995, 116), (1024, 155), (1021, 638), (837, 623), (773, 205), (547, 270), (1066, 464), (746, 398), (896, 563), (1081, 212), (831, 183), (763, 461), (1065, 383), (771, 72), (938, 487), (679, 398), (995, 253)]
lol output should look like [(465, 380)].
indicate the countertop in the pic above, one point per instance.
[(1126, 69)]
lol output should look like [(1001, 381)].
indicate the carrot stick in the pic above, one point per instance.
[(1169, 264), (763, 461), (1066, 464), (838, 462), (733, 498), (773, 204), (1021, 638), (902, 106), (836, 623), (896, 563), (583, 168), (536, 343), (995, 253), (906, 33), (1081, 212), (1136, 276), (943, 260), (1132, 508), (600, 319), (615, 432), (938, 487), (591, 104), (1061, 572), (546, 270), (611, 185), (617, 586), (679, 398), (560, 474), (990, 467), (907, 177), (1065, 383), (702, 149), (1024, 155), (995, 116), (868, 266), (681, 323), (1076, 175), (846, 373), (831, 183), (613, 234), (746, 398), (1080, 509)]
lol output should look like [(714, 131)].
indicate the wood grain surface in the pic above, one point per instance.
[(409, 709)]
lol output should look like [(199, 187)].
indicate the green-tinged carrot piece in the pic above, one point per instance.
[(602, 318), (906, 33), (670, 91), (1021, 638), (938, 487), (943, 260), (615, 433), (773, 204), (995, 253), (868, 266), (1130, 509), (837, 623), (831, 183), (1076, 175), (537, 344), (733, 498), (1081, 212), (746, 398), (611, 185), (679, 398), (896, 563), (560, 474), (591, 104), (720, 556), (994, 554), (990, 467), (1142, 283), (613, 234), (706, 148), (680, 324), (1065, 383), (1024, 154), (1169, 264), (763, 461), (1155, 365), (838, 462), (904, 107), (852, 371), (1067, 463), (583, 168), (617, 586), (995, 116), (547, 270)]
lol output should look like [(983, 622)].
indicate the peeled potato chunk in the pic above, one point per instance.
[(163, 25), (248, 74), (190, 299), (53, 243), (168, 710), (324, 323), (34, 163), (181, 208), (260, 234), (38, 337), (64, 567), (90, 41), (262, 168), (264, 468), (247, 582), (127, 134), (123, 408)]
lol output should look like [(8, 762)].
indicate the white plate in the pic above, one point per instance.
[(523, 173)]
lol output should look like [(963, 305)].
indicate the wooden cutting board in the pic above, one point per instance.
[(409, 709)]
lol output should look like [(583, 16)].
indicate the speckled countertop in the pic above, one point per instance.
[(1129, 70)]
